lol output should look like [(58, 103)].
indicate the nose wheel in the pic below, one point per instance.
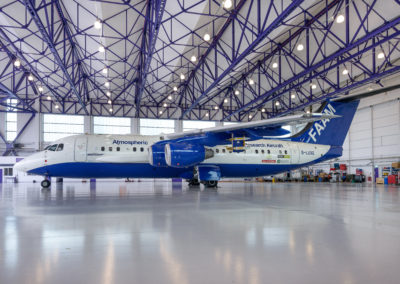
[(45, 183), (211, 183)]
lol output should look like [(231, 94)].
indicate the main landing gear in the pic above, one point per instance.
[(45, 183), (211, 183)]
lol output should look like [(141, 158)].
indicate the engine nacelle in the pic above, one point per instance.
[(157, 156), (182, 155)]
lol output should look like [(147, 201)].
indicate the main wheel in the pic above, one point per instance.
[(45, 183), (194, 182), (211, 183)]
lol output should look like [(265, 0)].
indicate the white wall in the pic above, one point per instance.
[(374, 135)]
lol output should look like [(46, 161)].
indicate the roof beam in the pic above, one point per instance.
[(261, 36), (29, 4), (152, 24)]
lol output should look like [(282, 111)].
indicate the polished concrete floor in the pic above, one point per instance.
[(160, 232)]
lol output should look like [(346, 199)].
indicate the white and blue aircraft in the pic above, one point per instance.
[(205, 155)]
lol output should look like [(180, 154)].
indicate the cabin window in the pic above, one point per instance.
[(285, 151), (256, 151), (60, 147), (118, 149), (223, 150), (280, 151), (110, 149), (141, 149), (217, 150), (103, 148), (268, 151), (262, 151), (53, 147), (134, 149)]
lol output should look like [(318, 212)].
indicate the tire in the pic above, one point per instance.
[(211, 183), (194, 182), (45, 183)]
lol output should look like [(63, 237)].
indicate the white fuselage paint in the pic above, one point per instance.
[(134, 149)]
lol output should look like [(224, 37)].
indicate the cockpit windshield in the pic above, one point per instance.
[(55, 147)]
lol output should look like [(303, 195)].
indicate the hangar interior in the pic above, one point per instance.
[(152, 67)]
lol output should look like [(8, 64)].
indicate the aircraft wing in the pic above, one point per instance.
[(251, 130)]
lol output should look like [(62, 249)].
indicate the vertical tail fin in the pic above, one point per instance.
[(329, 131)]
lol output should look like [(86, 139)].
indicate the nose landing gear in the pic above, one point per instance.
[(45, 183), (211, 183)]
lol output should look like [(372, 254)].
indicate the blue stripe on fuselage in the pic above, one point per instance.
[(144, 170)]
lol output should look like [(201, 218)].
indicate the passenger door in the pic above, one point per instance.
[(80, 149), (295, 153)]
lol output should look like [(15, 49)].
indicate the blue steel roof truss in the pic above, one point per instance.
[(148, 46)]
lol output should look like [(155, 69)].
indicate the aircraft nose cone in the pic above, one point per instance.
[(19, 166)]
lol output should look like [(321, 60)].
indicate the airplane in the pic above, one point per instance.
[(250, 149)]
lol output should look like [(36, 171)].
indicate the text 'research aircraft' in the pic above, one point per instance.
[(243, 150)]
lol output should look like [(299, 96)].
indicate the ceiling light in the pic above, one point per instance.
[(17, 63), (48, 98), (108, 93), (175, 88), (30, 77), (56, 106), (216, 107), (101, 48), (313, 86), (293, 96), (97, 24), (207, 114), (110, 109), (109, 102), (345, 72), (226, 100), (277, 103), (182, 76), (193, 58), (170, 97), (227, 4), (370, 89), (160, 111), (237, 92), (250, 116), (207, 37), (300, 47), (274, 65), (251, 82), (307, 111), (164, 105), (107, 84), (105, 70), (381, 55), (40, 88), (340, 19), (263, 110)]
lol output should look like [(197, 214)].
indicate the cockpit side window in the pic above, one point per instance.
[(52, 147), (60, 147), (47, 148)]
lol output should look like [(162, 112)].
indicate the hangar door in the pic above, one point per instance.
[(80, 149)]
